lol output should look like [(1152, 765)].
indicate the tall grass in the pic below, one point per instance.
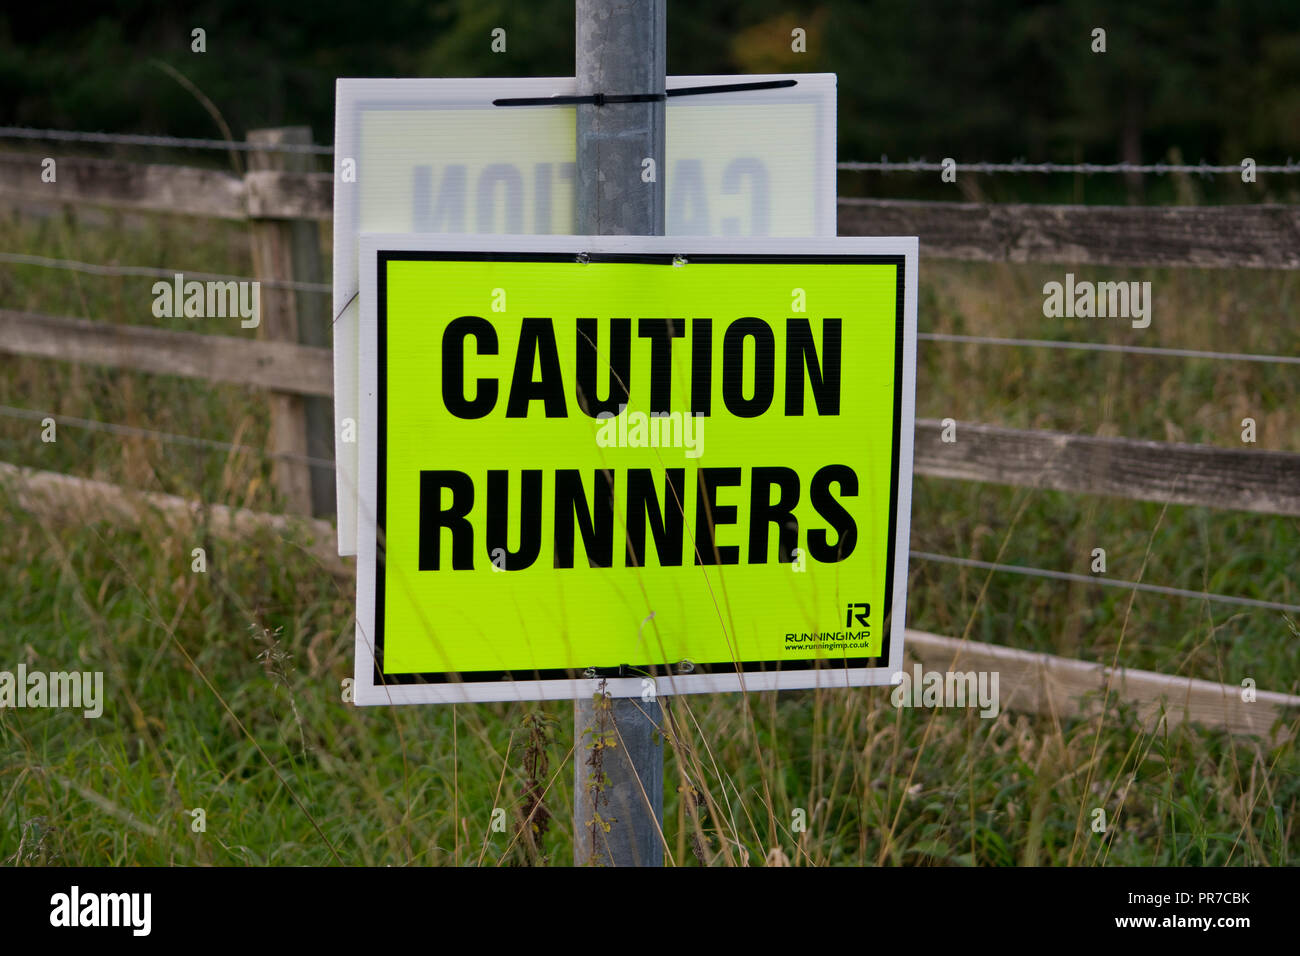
[(225, 688)]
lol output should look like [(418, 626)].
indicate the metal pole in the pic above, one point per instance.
[(620, 50)]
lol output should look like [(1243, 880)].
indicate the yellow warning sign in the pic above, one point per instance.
[(692, 468)]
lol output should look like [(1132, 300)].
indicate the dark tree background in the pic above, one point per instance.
[(973, 79)]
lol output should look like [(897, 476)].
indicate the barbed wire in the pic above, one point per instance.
[(134, 432), (1107, 347), (19, 258), (180, 142), (883, 165), (1108, 582), (1202, 168)]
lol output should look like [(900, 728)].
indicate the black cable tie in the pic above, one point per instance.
[(601, 99), (733, 87), (595, 99)]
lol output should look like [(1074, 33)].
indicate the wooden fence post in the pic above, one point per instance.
[(289, 249)]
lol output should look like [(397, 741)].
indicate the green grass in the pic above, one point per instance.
[(224, 688)]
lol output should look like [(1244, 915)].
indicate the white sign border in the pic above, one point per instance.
[(366, 692)]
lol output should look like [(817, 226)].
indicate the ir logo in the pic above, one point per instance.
[(861, 616)]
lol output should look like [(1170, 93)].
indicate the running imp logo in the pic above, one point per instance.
[(859, 613), (862, 615)]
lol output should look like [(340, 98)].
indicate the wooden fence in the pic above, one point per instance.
[(285, 205)]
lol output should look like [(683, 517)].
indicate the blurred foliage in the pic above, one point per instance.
[(976, 79)]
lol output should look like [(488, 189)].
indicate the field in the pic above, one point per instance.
[(224, 687)]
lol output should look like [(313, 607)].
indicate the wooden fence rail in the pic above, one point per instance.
[(1255, 236), (1267, 482), (145, 187), (283, 366)]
